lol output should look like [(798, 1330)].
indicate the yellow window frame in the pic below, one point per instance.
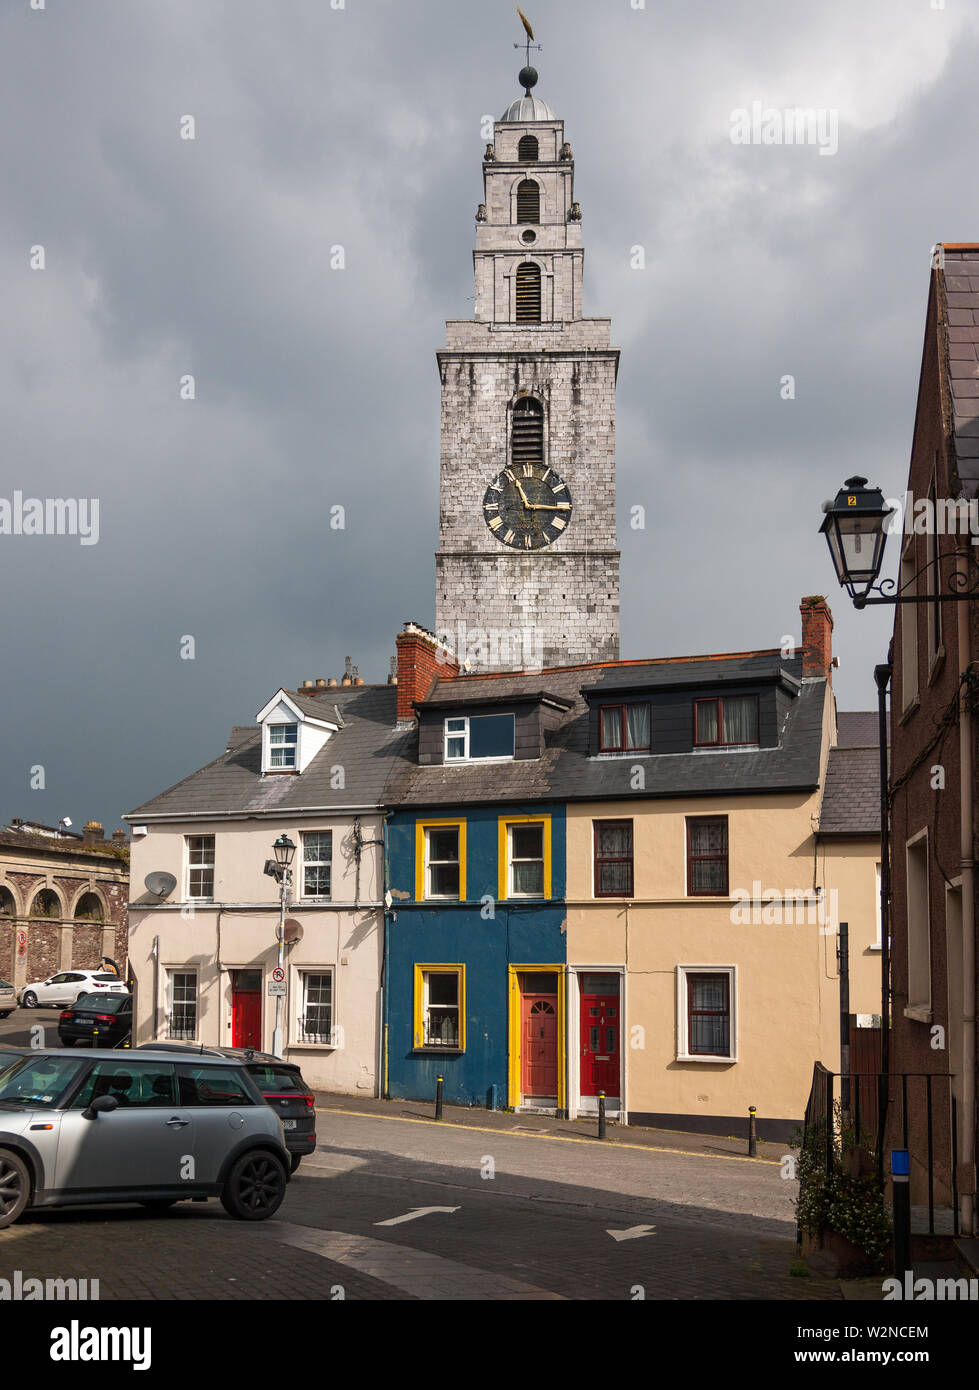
[(418, 1011), (503, 885), (421, 840)]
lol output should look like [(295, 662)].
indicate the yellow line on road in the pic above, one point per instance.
[(562, 1138)]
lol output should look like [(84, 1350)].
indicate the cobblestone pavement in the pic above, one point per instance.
[(528, 1218)]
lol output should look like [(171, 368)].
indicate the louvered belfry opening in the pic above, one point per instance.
[(528, 201), (528, 293), (528, 151), (527, 443)]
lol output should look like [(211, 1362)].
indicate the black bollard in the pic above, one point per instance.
[(601, 1114), (752, 1133), (438, 1097)]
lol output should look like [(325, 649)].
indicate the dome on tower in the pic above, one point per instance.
[(528, 108)]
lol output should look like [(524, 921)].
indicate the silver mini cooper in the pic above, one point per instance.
[(149, 1128)]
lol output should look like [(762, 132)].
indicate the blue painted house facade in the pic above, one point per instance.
[(475, 954)]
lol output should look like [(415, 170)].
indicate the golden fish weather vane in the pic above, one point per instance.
[(528, 71)]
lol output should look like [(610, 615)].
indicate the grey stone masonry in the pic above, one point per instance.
[(559, 604)]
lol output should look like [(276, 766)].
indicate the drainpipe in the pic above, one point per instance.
[(882, 676), (967, 1151), (382, 1040)]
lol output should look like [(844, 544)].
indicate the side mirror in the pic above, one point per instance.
[(101, 1105)]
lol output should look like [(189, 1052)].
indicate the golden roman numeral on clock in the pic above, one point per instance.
[(559, 523), (496, 523), (509, 475), (559, 487), (509, 537), (491, 507), (526, 542), (528, 470)]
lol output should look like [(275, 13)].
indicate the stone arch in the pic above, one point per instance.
[(46, 904), (9, 901), (527, 206), (90, 905)]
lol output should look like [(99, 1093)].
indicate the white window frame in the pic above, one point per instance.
[(429, 862), (315, 864), (683, 1053), (169, 1002), (303, 972), (270, 746), (511, 891), (200, 897), (878, 945), (464, 733)]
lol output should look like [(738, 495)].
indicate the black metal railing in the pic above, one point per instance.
[(870, 1111)]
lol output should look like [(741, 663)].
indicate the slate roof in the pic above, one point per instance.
[(74, 847), (858, 729), (961, 285), (851, 796), (567, 773), (366, 748)]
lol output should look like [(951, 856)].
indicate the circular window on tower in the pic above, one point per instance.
[(528, 238)]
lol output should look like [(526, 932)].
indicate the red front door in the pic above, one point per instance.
[(538, 1041), (600, 1034), (246, 1009)]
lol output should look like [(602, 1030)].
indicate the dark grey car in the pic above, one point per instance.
[(152, 1129)]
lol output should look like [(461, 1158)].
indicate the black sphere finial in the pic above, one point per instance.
[(527, 79)]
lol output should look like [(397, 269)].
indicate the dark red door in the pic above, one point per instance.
[(600, 1034), (246, 1009), (538, 1045)]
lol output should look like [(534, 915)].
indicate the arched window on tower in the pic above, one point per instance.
[(528, 201), (528, 151), (527, 437), (528, 293)]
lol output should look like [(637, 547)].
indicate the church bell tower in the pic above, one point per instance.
[(527, 570)]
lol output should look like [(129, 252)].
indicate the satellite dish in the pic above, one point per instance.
[(160, 884), (293, 931)]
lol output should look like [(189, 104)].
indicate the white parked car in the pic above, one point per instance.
[(8, 998), (67, 986)]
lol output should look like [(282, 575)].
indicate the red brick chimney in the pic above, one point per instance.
[(92, 833), (421, 660), (817, 637)]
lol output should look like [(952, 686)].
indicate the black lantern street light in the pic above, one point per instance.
[(855, 531)]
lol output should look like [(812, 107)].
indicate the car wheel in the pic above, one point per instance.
[(160, 1204), (15, 1187), (6, 1014), (255, 1187), (294, 1162), (29, 1000)]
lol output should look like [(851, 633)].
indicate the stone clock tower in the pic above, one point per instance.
[(527, 570)]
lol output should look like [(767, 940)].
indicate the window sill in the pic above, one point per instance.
[(919, 1013), (910, 710), (312, 1047), (936, 666), (711, 1061), (438, 1052)]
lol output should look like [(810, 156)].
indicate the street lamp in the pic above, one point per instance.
[(284, 851), (855, 533)]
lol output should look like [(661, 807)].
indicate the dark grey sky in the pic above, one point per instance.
[(360, 127)]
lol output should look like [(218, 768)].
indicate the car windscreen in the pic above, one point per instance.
[(39, 1081), (278, 1080), (102, 1004)]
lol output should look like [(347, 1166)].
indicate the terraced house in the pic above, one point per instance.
[(613, 878), (204, 941)]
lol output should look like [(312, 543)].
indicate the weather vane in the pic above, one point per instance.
[(528, 76)]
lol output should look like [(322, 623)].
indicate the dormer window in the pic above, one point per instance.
[(624, 728), (283, 740), (479, 738), (728, 722)]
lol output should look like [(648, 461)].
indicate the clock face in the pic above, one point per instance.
[(528, 506)]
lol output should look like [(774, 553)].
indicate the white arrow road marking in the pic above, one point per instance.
[(414, 1214), (633, 1233)]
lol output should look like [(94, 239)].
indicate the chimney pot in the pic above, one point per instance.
[(422, 659), (92, 832)]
